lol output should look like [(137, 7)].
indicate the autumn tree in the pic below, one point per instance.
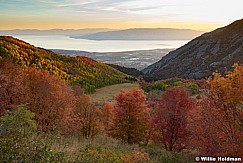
[(44, 94), (218, 122), (49, 97), (89, 116), (12, 86), (229, 88), (170, 119), (131, 116), (107, 116)]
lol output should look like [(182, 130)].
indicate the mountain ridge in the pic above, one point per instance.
[(68, 32), (143, 34), (203, 55)]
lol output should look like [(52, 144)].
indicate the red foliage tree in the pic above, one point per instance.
[(49, 97), (107, 116), (12, 86), (71, 122), (216, 131), (170, 119), (46, 95), (131, 116)]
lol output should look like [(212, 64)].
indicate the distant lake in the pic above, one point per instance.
[(67, 43)]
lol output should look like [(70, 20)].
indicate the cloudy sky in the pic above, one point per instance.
[(118, 14)]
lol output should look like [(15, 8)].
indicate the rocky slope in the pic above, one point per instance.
[(216, 50)]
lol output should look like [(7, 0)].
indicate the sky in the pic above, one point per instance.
[(202, 15)]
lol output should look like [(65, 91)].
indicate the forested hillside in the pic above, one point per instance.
[(83, 71), (130, 71)]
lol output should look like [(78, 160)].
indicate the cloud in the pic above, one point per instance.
[(104, 8), (125, 11)]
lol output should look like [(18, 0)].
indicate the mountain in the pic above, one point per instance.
[(203, 55), (83, 71), (67, 32), (143, 34)]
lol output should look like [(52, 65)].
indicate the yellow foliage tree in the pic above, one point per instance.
[(229, 88)]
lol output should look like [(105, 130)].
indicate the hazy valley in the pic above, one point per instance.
[(134, 59)]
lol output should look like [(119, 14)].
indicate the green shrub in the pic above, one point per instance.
[(153, 94), (19, 124), (19, 141)]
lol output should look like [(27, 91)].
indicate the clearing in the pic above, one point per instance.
[(106, 94)]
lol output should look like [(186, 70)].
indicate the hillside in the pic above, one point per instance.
[(130, 71), (83, 71), (203, 55), (143, 34)]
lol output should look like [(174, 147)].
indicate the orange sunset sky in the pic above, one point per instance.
[(203, 15)]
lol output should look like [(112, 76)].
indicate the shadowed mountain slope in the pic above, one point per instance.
[(216, 50)]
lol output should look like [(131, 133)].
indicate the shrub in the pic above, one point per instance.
[(19, 141)]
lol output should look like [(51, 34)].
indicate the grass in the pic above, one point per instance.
[(99, 149), (106, 149), (106, 94)]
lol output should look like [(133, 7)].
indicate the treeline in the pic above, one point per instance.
[(156, 88), (210, 125), (82, 71), (130, 71)]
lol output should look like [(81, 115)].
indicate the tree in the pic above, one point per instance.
[(46, 95), (218, 122), (170, 119), (89, 116), (131, 116), (229, 88), (107, 116), (12, 86), (49, 96)]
